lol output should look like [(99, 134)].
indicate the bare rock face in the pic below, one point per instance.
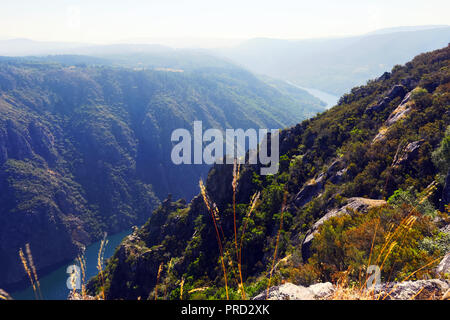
[(419, 290), (444, 266), (400, 112), (354, 204), (312, 189), (434, 289), (309, 191), (289, 291), (396, 91), (409, 152), (403, 109)]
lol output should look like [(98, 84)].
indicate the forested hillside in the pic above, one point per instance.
[(85, 147), (366, 182)]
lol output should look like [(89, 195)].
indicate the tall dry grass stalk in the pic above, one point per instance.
[(82, 262), (409, 276), (181, 288), (396, 237), (169, 268), (404, 226), (30, 270), (212, 208), (157, 279), (283, 207), (198, 289), (4, 295), (100, 259), (33, 269)]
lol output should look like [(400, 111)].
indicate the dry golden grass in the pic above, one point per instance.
[(212, 208), (30, 270), (4, 295), (100, 259), (238, 246), (181, 288), (395, 236), (157, 280)]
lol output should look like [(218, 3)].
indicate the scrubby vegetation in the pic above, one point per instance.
[(385, 140)]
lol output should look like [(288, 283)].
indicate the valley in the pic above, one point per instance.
[(86, 148)]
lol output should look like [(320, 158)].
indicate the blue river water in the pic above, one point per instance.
[(329, 99), (53, 285)]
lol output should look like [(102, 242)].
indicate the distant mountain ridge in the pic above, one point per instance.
[(335, 65), (407, 28)]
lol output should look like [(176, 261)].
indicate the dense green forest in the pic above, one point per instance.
[(85, 146), (374, 169)]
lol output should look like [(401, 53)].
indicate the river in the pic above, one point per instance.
[(329, 99), (53, 285)]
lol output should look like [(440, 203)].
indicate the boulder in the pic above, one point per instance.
[(434, 289), (289, 291), (354, 204), (418, 290), (444, 266)]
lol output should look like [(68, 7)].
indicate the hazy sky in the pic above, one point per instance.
[(104, 21)]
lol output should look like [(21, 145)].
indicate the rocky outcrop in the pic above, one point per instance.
[(310, 190), (289, 291), (313, 188), (139, 256), (443, 267), (408, 153), (395, 92), (384, 76), (434, 289), (402, 110), (353, 204)]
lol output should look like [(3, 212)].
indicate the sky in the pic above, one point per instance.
[(209, 21)]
